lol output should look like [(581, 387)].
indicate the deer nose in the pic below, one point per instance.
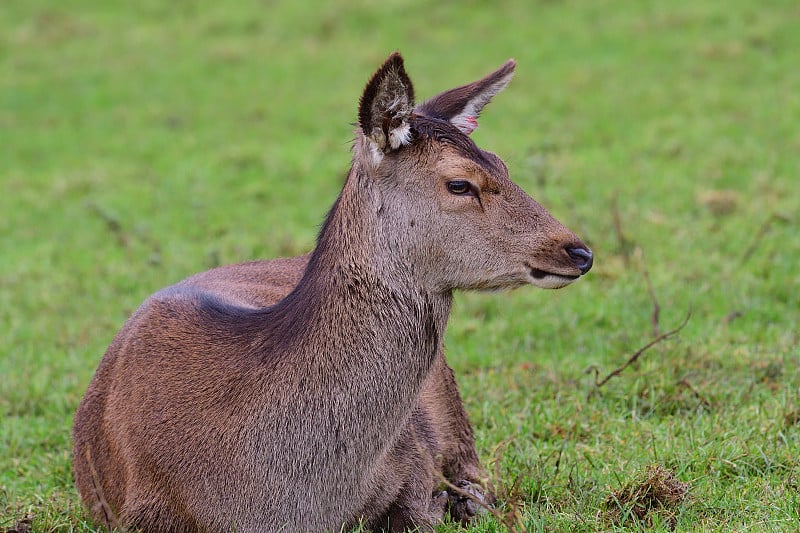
[(582, 256)]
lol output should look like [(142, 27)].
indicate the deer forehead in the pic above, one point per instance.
[(484, 169), (442, 136)]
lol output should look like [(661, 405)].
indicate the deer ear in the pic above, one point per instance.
[(386, 106), (462, 105)]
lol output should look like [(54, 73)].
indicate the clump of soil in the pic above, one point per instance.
[(22, 526), (656, 492)]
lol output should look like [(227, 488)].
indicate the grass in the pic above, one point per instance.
[(142, 142)]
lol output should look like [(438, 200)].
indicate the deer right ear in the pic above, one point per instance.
[(386, 106)]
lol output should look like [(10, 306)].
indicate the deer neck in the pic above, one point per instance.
[(371, 322), (363, 339)]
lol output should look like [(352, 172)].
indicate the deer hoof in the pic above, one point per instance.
[(439, 503), (468, 501)]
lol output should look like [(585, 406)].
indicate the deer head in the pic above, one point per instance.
[(447, 209)]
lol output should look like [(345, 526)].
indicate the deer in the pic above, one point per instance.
[(312, 393)]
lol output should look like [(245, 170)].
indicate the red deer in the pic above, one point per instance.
[(312, 393)]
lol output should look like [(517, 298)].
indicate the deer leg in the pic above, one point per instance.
[(408, 485), (436, 446), (440, 403), (415, 512)]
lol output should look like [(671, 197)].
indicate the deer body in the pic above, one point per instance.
[(226, 404)]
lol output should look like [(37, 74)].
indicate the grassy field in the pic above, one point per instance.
[(141, 142)]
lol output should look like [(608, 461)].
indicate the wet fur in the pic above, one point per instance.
[(312, 393)]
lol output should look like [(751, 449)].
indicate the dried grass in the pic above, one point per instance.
[(654, 493)]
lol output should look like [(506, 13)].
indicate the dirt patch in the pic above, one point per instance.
[(22, 526), (656, 492), (719, 203)]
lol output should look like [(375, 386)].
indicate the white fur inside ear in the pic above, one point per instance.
[(400, 136), (467, 121), (464, 122)]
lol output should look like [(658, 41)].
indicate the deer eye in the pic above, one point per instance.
[(459, 187)]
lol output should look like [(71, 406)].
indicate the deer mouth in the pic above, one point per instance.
[(550, 280), (540, 274)]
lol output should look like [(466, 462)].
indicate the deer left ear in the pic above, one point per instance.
[(462, 105), (386, 106)]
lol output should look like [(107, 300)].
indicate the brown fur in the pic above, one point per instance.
[(309, 393)]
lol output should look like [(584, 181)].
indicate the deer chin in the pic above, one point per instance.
[(549, 280)]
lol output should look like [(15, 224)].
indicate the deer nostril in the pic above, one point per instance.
[(582, 257)]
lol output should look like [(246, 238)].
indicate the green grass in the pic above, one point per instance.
[(141, 142)]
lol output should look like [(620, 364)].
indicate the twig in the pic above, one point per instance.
[(112, 223), (760, 234), (563, 447), (561, 451), (632, 359), (656, 308), (624, 243), (511, 519), (686, 383)]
